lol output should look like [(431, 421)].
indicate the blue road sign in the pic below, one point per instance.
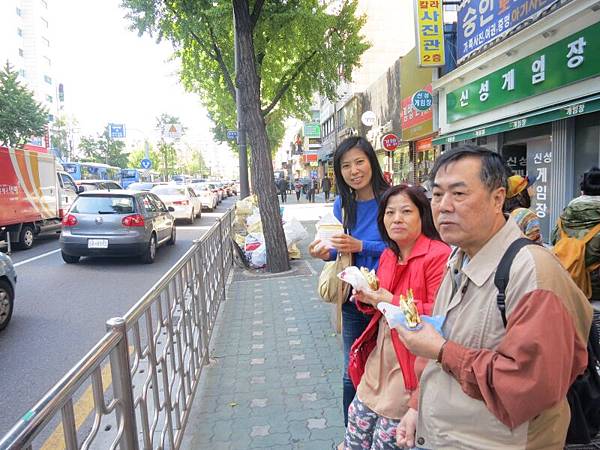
[(232, 134), (116, 130), (146, 163)]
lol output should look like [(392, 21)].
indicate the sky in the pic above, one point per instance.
[(111, 75)]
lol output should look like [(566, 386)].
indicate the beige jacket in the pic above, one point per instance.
[(503, 388)]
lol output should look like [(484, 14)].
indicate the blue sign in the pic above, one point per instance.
[(146, 163), (232, 134), (422, 100), (116, 130), (481, 22)]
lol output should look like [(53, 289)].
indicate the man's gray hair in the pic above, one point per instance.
[(494, 172)]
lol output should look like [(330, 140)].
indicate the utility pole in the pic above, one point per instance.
[(241, 123)]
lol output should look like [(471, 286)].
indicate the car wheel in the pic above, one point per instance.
[(191, 219), (173, 238), (7, 298), (69, 259), (26, 237), (199, 213), (149, 254)]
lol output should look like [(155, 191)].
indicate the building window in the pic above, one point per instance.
[(49, 98), (46, 41), (47, 79), (44, 22), (22, 73), (21, 52), (45, 4), (19, 12), (19, 32), (48, 61)]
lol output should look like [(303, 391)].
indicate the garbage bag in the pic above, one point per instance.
[(258, 257), (294, 231)]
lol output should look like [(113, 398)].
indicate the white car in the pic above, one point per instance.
[(208, 198), (183, 199)]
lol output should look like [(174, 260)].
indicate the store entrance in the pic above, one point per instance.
[(516, 158)]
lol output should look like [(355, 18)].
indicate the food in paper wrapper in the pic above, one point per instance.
[(405, 314), (327, 227), (360, 279)]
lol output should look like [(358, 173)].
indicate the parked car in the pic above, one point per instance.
[(141, 186), (116, 223), (207, 197), (217, 190), (8, 283), (98, 185), (183, 199)]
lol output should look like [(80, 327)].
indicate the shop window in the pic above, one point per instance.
[(19, 32), (21, 52)]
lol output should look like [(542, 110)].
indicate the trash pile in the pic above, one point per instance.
[(248, 232)]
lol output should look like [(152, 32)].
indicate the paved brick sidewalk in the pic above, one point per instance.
[(275, 379)]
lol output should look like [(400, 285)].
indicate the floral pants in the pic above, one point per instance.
[(367, 430)]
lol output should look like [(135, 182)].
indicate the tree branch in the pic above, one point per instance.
[(256, 13), (285, 85)]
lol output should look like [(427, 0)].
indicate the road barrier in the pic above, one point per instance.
[(155, 355)]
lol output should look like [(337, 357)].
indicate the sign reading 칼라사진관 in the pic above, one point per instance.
[(483, 21), (567, 61)]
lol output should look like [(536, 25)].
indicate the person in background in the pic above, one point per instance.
[(298, 189), (484, 384), (415, 259), (360, 186), (312, 189), (517, 204), (282, 186), (326, 187), (578, 218)]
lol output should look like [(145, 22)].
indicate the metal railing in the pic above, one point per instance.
[(152, 357)]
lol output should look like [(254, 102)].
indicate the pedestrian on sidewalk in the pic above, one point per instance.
[(312, 188), (326, 187), (498, 378), (298, 189), (282, 186), (415, 259), (517, 204), (360, 185)]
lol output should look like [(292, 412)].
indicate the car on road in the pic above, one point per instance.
[(142, 186), (207, 197), (98, 185), (184, 201), (116, 223), (8, 283)]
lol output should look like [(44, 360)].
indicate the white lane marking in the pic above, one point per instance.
[(204, 228), (36, 257)]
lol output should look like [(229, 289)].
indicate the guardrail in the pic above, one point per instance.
[(155, 354)]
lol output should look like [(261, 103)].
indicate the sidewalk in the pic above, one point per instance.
[(274, 380)]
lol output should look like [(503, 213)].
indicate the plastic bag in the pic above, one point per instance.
[(327, 227), (258, 257), (294, 231), (354, 277)]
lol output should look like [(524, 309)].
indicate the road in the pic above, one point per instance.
[(61, 311)]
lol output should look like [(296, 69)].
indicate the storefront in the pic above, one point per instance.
[(535, 99), (402, 168)]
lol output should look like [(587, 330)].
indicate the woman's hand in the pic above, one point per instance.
[(373, 298), (346, 244), (406, 430), (318, 251)]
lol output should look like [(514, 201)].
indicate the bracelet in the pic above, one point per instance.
[(441, 353)]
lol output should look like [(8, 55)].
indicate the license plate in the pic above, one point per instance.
[(97, 243)]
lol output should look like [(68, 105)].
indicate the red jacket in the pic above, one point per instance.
[(422, 272)]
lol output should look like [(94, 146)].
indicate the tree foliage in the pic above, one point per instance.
[(60, 138), (21, 117), (301, 47), (166, 146), (104, 149)]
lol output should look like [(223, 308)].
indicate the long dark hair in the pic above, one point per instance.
[(417, 196), (521, 200), (347, 195)]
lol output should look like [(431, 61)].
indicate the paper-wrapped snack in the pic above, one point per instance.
[(360, 279), (327, 227), (405, 314)]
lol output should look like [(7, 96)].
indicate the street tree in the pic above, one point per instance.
[(166, 145), (137, 154), (104, 149), (60, 138), (21, 116), (288, 49)]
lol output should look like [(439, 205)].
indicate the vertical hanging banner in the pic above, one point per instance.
[(429, 26)]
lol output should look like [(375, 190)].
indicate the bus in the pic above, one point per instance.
[(92, 171), (129, 176)]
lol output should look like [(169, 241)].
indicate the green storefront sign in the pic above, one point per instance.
[(312, 130), (572, 59)]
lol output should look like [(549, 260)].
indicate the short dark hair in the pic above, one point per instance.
[(494, 172), (591, 182), (417, 196), (348, 201), (521, 200)]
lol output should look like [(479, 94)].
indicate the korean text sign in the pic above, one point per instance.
[(429, 25), (483, 21), (567, 61)]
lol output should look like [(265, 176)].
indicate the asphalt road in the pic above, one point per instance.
[(61, 311)]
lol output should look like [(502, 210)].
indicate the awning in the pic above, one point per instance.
[(550, 114)]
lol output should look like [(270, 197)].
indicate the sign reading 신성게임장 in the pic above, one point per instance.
[(481, 22), (567, 61), (429, 27)]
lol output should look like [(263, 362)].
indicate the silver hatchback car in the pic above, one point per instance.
[(8, 283), (116, 223)]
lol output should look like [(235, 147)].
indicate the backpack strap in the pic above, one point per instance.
[(590, 234), (503, 273)]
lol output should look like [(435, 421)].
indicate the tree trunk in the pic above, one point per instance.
[(264, 187)]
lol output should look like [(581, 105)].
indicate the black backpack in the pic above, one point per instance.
[(584, 393)]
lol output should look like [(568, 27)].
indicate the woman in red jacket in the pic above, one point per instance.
[(416, 259)]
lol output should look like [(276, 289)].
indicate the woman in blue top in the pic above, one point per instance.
[(360, 185)]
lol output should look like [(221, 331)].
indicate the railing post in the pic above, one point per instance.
[(122, 385), (222, 257)]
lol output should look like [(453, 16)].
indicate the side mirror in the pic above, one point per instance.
[(171, 209), (80, 189)]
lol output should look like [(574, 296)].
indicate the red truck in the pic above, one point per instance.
[(35, 193)]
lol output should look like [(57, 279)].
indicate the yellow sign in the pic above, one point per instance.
[(429, 25)]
